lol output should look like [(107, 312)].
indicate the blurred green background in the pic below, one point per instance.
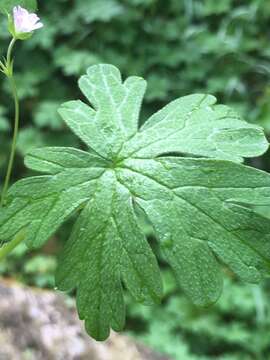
[(220, 47)]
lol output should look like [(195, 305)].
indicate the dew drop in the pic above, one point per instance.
[(167, 241)]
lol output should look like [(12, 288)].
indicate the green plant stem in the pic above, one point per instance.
[(14, 140), (6, 249), (9, 52), (10, 76)]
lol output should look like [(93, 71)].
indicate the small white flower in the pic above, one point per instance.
[(25, 22)]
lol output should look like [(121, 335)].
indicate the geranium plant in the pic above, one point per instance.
[(183, 169)]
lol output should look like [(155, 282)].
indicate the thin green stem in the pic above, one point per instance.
[(8, 71), (10, 76), (9, 52), (14, 140), (7, 248)]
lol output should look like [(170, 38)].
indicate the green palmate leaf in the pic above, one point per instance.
[(199, 199), (8, 5)]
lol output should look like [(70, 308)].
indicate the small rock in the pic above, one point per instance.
[(42, 325)]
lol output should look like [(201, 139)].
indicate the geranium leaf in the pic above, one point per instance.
[(181, 168)]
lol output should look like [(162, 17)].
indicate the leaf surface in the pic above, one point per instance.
[(181, 168), (198, 213), (113, 117), (195, 125)]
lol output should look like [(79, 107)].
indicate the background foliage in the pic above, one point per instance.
[(181, 47)]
